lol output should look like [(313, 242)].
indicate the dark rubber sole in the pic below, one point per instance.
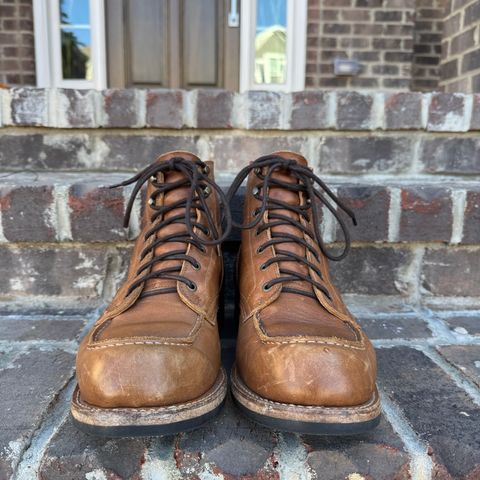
[(148, 430), (149, 421), (311, 420)]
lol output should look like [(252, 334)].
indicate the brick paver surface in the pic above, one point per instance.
[(429, 374)]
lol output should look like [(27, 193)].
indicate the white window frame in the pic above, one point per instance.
[(48, 54), (296, 47)]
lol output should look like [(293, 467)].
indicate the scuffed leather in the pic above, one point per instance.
[(163, 349), (291, 348)]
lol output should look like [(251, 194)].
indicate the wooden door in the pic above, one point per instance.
[(171, 44)]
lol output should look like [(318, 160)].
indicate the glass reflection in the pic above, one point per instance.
[(271, 42), (76, 39)]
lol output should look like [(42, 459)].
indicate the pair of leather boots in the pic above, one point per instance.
[(151, 363)]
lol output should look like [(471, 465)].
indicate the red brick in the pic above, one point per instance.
[(426, 214), (370, 205), (309, 110), (354, 110), (29, 106), (471, 226), (403, 110), (27, 213), (96, 212), (214, 108), (451, 272), (121, 108), (446, 112), (165, 108)]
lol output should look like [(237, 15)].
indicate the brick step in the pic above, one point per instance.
[(330, 152), (52, 207), (62, 236), (253, 110)]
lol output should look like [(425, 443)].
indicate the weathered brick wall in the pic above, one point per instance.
[(461, 47), (378, 33), (428, 44), (408, 163), (17, 54)]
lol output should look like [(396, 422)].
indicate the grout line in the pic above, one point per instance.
[(332, 110), (3, 239), (462, 382), (438, 328), (69, 346), (459, 201), (29, 465), (61, 213), (420, 462), (291, 455), (394, 211), (112, 272)]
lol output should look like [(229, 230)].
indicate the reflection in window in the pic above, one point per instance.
[(271, 42), (76, 39)]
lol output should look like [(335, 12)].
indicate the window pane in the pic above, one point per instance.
[(271, 42), (76, 54), (74, 12)]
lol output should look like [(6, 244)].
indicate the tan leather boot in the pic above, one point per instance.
[(151, 363), (302, 362)]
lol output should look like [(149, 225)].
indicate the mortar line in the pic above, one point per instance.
[(69, 346), (459, 201), (112, 270), (420, 462), (291, 456), (56, 414), (460, 380), (3, 239), (62, 212), (394, 210)]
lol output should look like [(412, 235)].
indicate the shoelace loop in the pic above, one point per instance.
[(313, 197), (195, 177)]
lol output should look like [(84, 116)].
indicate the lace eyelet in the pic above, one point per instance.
[(257, 232), (196, 266), (192, 287), (266, 287), (263, 267), (255, 212), (206, 170), (153, 178), (207, 191), (151, 201), (257, 171), (259, 250), (255, 191)]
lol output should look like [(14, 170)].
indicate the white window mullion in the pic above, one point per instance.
[(296, 33)]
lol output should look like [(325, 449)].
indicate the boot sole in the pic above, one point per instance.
[(313, 420), (149, 421)]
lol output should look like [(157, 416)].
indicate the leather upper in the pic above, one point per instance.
[(293, 348), (160, 349)]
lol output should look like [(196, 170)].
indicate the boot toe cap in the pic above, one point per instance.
[(310, 374), (143, 375)]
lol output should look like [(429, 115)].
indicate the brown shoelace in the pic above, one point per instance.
[(307, 181), (200, 186)]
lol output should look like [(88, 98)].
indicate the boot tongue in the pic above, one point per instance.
[(169, 198), (292, 198)]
